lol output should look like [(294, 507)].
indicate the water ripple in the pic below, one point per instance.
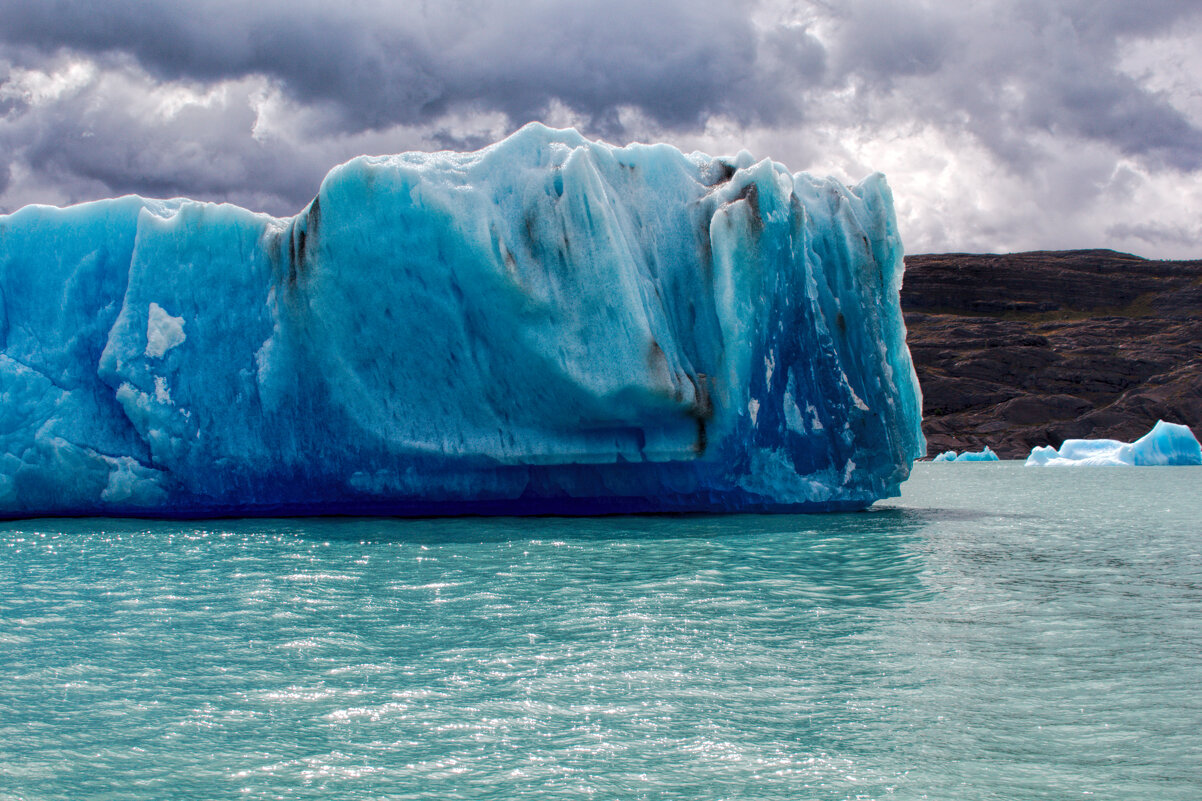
[(992, 635)]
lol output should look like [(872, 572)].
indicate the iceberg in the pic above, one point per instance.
[(547, 325), (968, 456), (1165, 444)]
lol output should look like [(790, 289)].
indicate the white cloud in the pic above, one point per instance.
[(1002, 125)]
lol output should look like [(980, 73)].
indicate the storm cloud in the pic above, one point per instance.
[(1002, 125)]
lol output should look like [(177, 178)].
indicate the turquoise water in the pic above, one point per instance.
[(999, 632)]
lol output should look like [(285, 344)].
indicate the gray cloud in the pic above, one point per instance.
[(380, 64), (1009, 70), (1153, 234), (253, 102)]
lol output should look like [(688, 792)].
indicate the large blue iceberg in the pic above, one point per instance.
[(548, 325), (1165, 444), (986, 455)]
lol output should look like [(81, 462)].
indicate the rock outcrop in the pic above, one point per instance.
[(1015, 351)]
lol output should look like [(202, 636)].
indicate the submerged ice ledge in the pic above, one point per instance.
[(547, 325)]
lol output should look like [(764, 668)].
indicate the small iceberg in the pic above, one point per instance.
[(1165, 444), (968, 456)]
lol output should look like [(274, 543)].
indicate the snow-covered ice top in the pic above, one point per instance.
[(1165, 444), (549, 324), (985, 455)]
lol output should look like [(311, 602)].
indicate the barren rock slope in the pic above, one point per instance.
[(1027, 349)]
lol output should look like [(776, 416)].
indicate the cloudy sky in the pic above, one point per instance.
[(1002, 124)]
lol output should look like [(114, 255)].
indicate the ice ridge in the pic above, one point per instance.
[(547, 325)]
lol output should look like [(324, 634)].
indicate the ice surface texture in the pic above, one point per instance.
[(968, 456), (547, 325), (1165, 444)]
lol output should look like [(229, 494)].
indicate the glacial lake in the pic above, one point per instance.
[(998, 632)]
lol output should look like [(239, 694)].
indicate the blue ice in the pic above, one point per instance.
[(1165, 444), (985, 455), (549, 324)]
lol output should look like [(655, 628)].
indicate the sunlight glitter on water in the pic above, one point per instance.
[(996, 633)]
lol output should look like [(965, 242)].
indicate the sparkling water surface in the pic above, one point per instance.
[(999, 632)]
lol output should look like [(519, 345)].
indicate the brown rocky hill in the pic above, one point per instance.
[(1014, 351)]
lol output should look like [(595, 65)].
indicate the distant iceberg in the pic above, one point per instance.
[(548, 325), (981, 456), (1165, 444)]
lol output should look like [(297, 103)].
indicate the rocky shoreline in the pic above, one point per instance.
[(1026, 349)]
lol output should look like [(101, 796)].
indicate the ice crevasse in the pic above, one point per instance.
[(547, 325)]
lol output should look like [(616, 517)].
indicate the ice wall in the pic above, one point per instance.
[(547, 325)]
